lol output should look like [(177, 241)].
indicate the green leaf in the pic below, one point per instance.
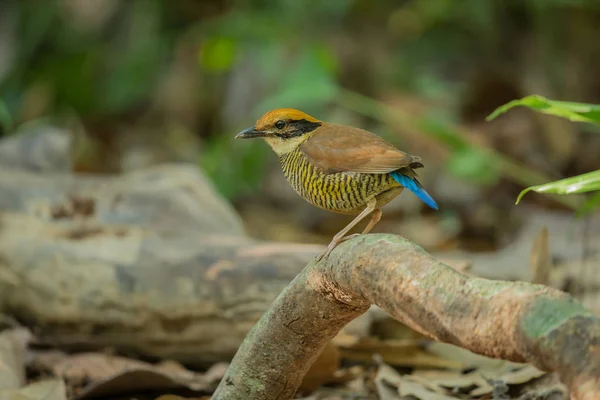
[(577, 112), (591, 204), (577, 184)]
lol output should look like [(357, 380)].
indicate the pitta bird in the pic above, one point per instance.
[(338, 168)]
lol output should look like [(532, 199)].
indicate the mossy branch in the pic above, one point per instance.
[(515, 321)]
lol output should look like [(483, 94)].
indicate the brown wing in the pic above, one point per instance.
[(338, 148)]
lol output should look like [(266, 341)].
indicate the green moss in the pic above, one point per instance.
[(257, 386), (546, 315)]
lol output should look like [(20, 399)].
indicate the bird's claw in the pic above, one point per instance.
[(334, 243)]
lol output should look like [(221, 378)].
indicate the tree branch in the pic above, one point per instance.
[(515, 321)]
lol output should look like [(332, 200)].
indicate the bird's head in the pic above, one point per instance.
[(283, 128)]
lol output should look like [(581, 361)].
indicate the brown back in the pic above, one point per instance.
[(339, 148)]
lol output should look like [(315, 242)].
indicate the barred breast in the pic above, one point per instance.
[(342, 192)]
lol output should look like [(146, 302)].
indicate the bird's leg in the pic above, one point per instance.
[(375, 217), (341, 235)]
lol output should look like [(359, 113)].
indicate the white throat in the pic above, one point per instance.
[(281, 146)]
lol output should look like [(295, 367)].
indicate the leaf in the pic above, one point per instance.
[(577, 184), (397, 352), (391, 385), (577, 112), (107, 375), (410, 388), (591, 204)]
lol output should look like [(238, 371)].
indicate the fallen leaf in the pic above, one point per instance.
[(408, 388), (107, 375), (520, 375), (465, 383), (474, 383), (398, 353), (387, 381), (391, 385)]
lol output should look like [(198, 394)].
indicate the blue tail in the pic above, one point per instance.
[(414, 186)]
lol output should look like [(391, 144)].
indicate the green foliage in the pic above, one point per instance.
[(590, 204), (577, 112), (309, 84), (473, 165), (577, 184), (91, 72), (234, 169), (466, 162), (295, 54)]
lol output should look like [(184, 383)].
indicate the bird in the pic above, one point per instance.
[(338, 168)]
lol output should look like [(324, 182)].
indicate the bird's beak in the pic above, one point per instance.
[(250, 133)]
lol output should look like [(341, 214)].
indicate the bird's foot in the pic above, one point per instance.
[(334, 244)]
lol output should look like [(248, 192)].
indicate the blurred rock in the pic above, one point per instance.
[(37, 147)]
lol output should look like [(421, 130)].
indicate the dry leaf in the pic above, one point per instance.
[(387, 381), (520, 375), (475, 383), (113, 375), (392, 386), (440, 380), (397, 353), (409, 388)]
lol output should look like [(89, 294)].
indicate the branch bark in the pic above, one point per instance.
[(516, 321)]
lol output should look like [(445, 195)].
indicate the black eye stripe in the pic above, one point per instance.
[(298, 128)]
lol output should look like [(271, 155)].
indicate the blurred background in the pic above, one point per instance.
[(141, 82), (137, 83)]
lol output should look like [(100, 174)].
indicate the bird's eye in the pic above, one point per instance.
[(279, 124)]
